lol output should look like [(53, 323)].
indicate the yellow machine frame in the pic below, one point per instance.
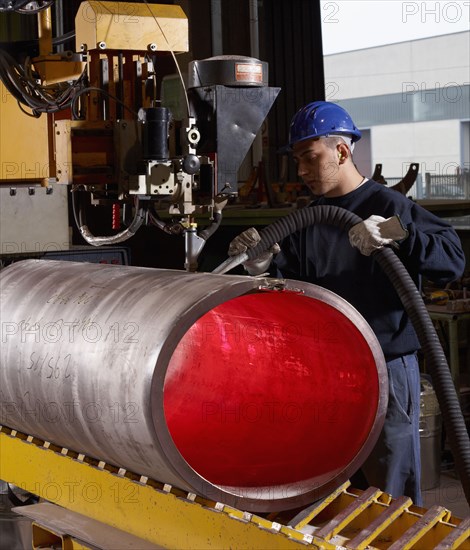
[(170, 518)]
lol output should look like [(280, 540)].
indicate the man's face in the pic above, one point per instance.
[(317, 164)]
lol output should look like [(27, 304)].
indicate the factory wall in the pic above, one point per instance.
[(434, 62), (413, 97), (435, 145)]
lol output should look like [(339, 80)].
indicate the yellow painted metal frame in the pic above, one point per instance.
[(152, 511), (45, 538), (22, 158), (172, 518), (132, 27), (52, 67)]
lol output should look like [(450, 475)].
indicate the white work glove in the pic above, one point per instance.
[(377, 232), (249, 239)]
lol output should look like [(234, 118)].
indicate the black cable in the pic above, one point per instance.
[(58, 40), (100, 90), (77, 216), (173, 228), (32, 115), (435, 359), (22, 83), (330, 215)]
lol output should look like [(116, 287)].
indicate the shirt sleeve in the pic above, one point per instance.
[(433, 248), (287, 264)]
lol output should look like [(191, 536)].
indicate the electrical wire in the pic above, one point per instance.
[(174, 58), (25, 86), (79, 217), (58, 40), (169, 228), (101, 91)]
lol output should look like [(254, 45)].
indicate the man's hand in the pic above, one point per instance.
[(377, 232), (249, 239)]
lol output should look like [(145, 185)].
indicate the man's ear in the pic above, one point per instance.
[(343, 152)]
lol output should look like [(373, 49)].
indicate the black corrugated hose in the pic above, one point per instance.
[(436, 362)]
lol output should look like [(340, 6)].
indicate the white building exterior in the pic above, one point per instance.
[(410, 99)]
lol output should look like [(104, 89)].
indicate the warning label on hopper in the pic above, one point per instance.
[(249, 72)]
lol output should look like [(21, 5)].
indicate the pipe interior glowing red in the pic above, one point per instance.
[(271, 388)]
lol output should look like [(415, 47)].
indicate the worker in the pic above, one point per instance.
[(322, 137)]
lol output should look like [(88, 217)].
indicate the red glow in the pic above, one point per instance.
[(271, 388)]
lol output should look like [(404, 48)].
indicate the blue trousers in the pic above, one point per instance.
[(394, 466)]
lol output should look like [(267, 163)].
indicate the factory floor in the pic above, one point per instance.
[(448, 493), (440, 482)]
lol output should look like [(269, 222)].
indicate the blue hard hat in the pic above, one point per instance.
[(320, 119)]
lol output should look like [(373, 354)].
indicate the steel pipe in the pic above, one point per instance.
[(259, 394)]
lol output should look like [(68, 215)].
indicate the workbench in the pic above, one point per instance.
[(452, 319)]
